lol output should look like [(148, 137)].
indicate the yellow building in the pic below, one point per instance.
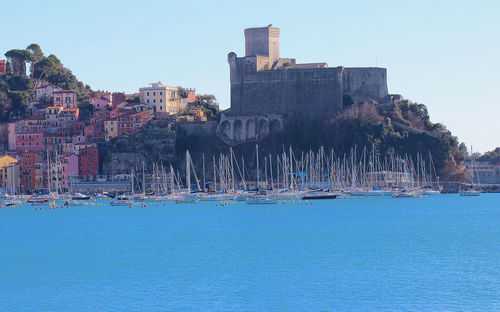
[(163, 98), (110, 129), (10, 174)]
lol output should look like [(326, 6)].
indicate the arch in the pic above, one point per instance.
[(226, 128), (275, 126), (262, 128), (250, 129), (238, 133)]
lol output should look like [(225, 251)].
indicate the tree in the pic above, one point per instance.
[(17, 60), (462, 148)]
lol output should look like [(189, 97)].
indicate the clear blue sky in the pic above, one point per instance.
[(445, 54)]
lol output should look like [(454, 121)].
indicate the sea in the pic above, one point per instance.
[(437, 253)]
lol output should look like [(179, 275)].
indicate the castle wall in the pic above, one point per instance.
[(370, 81), (290, 91)]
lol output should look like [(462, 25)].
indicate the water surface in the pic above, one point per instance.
[(439, 253)]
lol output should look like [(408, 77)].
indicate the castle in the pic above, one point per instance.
[(265, 88)]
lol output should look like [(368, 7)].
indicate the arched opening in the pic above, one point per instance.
[(226, 128), (262, 128), (275, 126), (238, 130), (250, 129)]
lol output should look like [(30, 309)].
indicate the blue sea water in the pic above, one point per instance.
[(439, 253)]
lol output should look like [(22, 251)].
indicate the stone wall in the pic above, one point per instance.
[(197, 128), (256, 90)]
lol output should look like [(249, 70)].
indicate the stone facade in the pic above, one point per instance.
[(264, 83), (237, 129)]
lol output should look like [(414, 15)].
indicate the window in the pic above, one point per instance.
[(160, 107), (154, 101), (161, 100), (161, 93), (148, 100), (154, 93), (148, 93)]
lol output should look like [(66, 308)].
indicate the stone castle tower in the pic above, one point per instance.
[(263, 41), (264, 83)]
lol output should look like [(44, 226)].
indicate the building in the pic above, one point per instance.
[(3, 67), (30, 141), (52, 115), (12, 129), (64, 99), (264, 83), (189, 95), (163, 98), (110, 129), (28, 168), (117, 98), (100, 103), (70, 168), (68, 116), (88, 162), (46, 91), (35, 123), (9, 174)]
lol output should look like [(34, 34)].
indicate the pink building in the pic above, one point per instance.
[(69, 164), (30, 141), (64, 98), (100, 103)]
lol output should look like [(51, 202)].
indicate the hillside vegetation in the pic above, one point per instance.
[(18, 84)]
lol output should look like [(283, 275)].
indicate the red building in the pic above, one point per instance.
[(3, 68), (117, 98), (30, 141), (88, 161), (131, 122), (190, 95)]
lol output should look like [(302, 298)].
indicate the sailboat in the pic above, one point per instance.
[(475, 189)]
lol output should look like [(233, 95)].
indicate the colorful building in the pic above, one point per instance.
[(3, 67), (52, 115), (9, 174), (110, 129), (100, 103), (69, 163), (67, 116), (88, 162), (30, 141), (64, 99), (28, 170), (118, 98), (163, 98)]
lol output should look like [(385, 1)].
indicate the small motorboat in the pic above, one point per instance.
[(35, 200), (80, 196), (121, 201)]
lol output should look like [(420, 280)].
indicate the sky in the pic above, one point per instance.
[(444, 54)]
